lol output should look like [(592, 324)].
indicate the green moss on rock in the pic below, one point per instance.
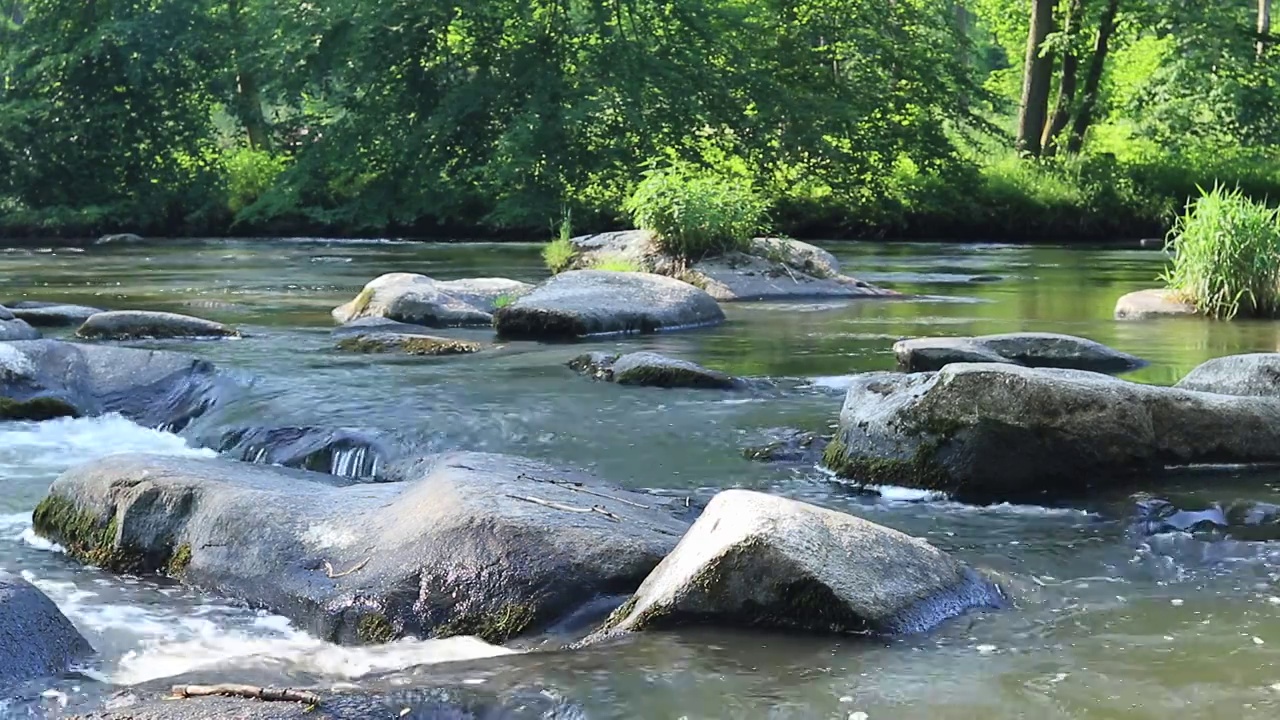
[(424, 345), (508, 621), (36, 409), (86, 537), (361, 302), (375, 629), (920, 471), (178, 563)]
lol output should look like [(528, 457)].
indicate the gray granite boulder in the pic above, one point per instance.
[(651, 370), (15, 329), (141, 324), (1147, 304), (470, 544), (582, 303), (991, 432), (43, 379), (756, 560), (1255, 374), (36, 639), (46, 314), (1032, 349), (420, 300)]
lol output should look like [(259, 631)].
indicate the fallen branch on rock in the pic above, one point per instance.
[(567, 508), (328, 569), (252, 692), (577, 487)]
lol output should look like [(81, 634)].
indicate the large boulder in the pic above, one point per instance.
[(1147, 304), (47, 314), (36, 639), (41, 379), (1252, 374), (756, 560), (580, 303), (140, 324), (15, 329), (473, 544), (986, 431), (1032, 349), (652, 370), (420, 300), (772, 269)]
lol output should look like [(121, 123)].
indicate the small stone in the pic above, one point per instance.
[(1258, 641)]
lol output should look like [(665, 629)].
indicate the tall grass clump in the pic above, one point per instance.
[(1226, 255), (694, 214), (560, 252)]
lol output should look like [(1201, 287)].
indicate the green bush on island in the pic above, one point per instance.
[(558, 254), (694, 213), (1226, 255)]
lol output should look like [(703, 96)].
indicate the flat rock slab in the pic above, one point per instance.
[(582, 303), (474, 544), (756, 560), (42, 379), (15, 329), (42, 314), (1251, 374), (1003, 432), (409, 344), (1147, 304), (1029, 349), (420, 300), (36, 639), (651, 370), (138, 325)]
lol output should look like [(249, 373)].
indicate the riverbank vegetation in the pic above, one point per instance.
[(964, 119)]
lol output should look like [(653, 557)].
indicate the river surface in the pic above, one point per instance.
[(1111, 622)]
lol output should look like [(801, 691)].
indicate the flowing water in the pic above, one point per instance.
[(1110, 622)]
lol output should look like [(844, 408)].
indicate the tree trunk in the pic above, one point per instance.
[(248, 98), (1066, 84), (1037, 77), (962, 49), (1264, 25), (1093, 78)]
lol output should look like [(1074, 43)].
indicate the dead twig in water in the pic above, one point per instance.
[(577, 487), (328, 569), (252, 692)]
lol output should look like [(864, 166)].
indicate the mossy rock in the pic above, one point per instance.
[(508, 621), (180, 560), (421, 345), (375, 629), (94, 540), (36, 409)]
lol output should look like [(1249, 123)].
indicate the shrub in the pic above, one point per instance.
[(615, 263), (560, 252), (1226, 255), (694, 214), (250, 173)]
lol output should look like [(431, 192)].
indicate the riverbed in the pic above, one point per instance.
[(1110, 621)]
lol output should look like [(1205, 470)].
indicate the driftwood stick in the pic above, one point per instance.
[(577, 487), (606, 513), (552, 505), (248, 691), (328, 569)]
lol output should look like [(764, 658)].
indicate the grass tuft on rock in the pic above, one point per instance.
[(694, 213), (559, 254), (615, 263), (1226, 256)]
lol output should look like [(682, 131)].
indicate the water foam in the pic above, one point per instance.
[(56, 445)]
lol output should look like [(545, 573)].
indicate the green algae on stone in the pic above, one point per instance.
[(509, 621), (86, 537), (424, 345), (179, 562), (36, 409), (375, 629)]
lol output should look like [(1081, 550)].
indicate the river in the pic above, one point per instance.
[(1110, 622)]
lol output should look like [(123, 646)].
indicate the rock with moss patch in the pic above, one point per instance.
[(582, 303), (1148, 304), (48, 314), (652, 370), (419, 300), (1003, 432), (44, 379), (140, 324), (1251, 374), (1031, 349), (756, 560), (36, 639), (787, 445), (415, 344), (486, 545)]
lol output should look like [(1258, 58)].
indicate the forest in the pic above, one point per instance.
[(1065, 120)]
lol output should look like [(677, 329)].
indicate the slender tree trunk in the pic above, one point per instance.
[(1066, 84), (962, 48), (1037, 77), (248, 99), (1093, 77), (1264, 25)]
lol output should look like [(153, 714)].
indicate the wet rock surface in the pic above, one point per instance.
[(342, 452), (787, 445), (15, 329), (756, 560), (471, 544), (420, 300), (47, 314), (137, 325), (651, 370), (1052, 350), (36, 639), (1252, 374)]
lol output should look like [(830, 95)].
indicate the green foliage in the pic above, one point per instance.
[(250, 174), (560, 253), (1226, 255), (616, 264), (693, 213)]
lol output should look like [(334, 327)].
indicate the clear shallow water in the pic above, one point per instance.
[(1109, 624)]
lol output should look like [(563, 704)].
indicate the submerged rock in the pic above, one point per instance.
[(757, 560), (43, 379), (1245, 520), (1252, 374), (414, 344), (472, 544), (987, 431), (580, 303), (119, 238), (15, 329), (1145, 304), (138, 324), (1024, 348), (773, 269), (335, 451), (45, 314), (36, 639), (787, 445), (420, 300), (652, 370)]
